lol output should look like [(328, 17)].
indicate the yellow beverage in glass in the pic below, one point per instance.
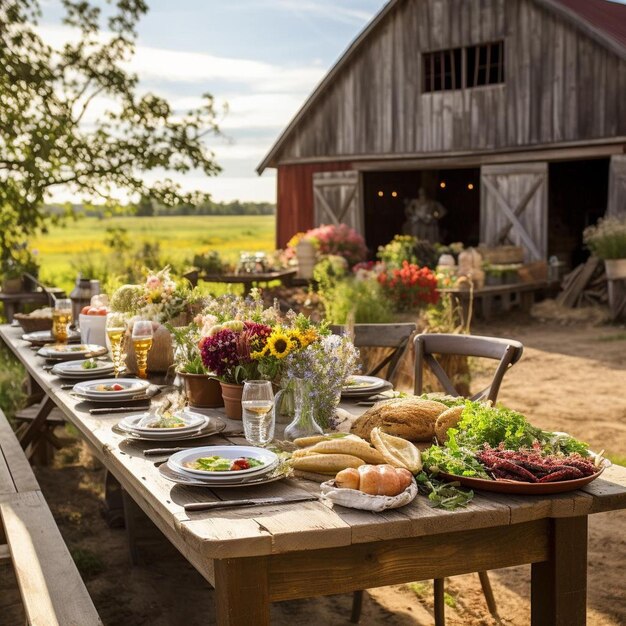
[(61, 319), (117, 339), (142, 346)]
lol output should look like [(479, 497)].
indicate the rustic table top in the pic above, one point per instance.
[(274, 529)]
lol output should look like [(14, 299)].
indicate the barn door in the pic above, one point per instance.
[(514, 207), (337, 199), (617, 187)]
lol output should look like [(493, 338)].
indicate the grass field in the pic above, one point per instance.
[(180, 238)]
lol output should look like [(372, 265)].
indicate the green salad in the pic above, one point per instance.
[(482, 424), (221, 464)]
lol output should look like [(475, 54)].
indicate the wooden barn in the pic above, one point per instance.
[(509, 113)]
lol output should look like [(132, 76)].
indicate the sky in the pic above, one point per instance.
[(262, 57)]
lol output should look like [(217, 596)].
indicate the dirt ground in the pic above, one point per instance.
[(570, 378)]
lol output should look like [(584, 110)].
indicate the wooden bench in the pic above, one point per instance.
[(52, 591)]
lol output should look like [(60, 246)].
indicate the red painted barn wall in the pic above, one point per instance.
[(294, 198)]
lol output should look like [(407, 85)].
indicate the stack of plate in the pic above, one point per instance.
[(66, 352), (75, 370), (196, 425), (43, 337), (364, 386), (179, 470), (108, 390)]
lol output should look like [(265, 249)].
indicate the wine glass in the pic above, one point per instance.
[(61, 319), (142, 342), (258, 417), (116, 332)]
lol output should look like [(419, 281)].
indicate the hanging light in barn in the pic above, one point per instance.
[(470, 186), (442, 184), (381, 194)]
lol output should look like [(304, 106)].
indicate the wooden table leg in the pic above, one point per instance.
[(242, 592), (559, 585)]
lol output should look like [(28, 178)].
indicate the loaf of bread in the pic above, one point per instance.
[(375, 480), (448, 419), (411, 418)]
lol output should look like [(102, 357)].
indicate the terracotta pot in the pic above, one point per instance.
[(13, 285), (202, 391), (232, 400), (615, 269)]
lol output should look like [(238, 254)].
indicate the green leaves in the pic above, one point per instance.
[(50, 138)]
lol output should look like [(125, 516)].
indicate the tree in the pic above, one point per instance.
[(45, 96)]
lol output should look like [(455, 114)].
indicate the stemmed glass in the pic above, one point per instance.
[(257, 401), (116, 332), (142, 342), (61, 319)]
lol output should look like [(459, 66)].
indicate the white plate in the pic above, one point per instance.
[(177, 461), (132, 387), (74, 369), (45, 336), (363, 384), (193, 422), (67, 352), (169, 474), (228, 480), (214, 426)]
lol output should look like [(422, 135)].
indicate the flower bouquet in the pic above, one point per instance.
[(161, 299)]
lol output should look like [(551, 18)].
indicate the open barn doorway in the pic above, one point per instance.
[(386, 195), (578, 193)]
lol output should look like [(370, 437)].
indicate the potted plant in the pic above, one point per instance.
[(607, 241), (227, 350), (17, 267), (202, 389)]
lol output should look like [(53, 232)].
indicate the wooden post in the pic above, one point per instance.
[(242, 592), (559, 585)]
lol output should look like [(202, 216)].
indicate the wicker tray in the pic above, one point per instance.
[(33, 324)]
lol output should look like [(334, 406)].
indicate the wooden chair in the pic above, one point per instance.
[(394, 336), (507, 352)]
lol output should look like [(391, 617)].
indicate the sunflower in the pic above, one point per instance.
[(307, 337), (279, 344)]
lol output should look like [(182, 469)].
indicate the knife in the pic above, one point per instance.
[(223, 504)]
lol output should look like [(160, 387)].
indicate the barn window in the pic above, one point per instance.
[(484, 64), (458, 68)]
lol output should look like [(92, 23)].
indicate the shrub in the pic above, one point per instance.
[(410, 287), (12, 374), (607, 239), (340, 240)]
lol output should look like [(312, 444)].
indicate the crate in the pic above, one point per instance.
[(502, 255)]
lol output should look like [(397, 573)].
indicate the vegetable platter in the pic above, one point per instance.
[(497, 449)]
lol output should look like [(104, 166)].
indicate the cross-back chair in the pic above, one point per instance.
[(507, 352), (394, 336)]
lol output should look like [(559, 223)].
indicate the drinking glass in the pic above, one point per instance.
[(142, 342), (61, 319), (257, 401), (116, 332)]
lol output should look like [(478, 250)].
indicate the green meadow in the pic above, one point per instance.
[(180, 237)]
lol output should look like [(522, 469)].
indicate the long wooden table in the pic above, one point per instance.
[(259, 555)]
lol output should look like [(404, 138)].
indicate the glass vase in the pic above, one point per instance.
[(303, 424)]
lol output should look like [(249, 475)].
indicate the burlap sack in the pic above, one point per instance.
[(161, 355)]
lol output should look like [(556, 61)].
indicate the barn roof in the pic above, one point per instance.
[(603, 20)]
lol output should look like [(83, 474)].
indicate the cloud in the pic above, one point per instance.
[(327, 10), (175, 66)]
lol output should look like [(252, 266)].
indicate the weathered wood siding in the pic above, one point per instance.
[(560, 85)]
